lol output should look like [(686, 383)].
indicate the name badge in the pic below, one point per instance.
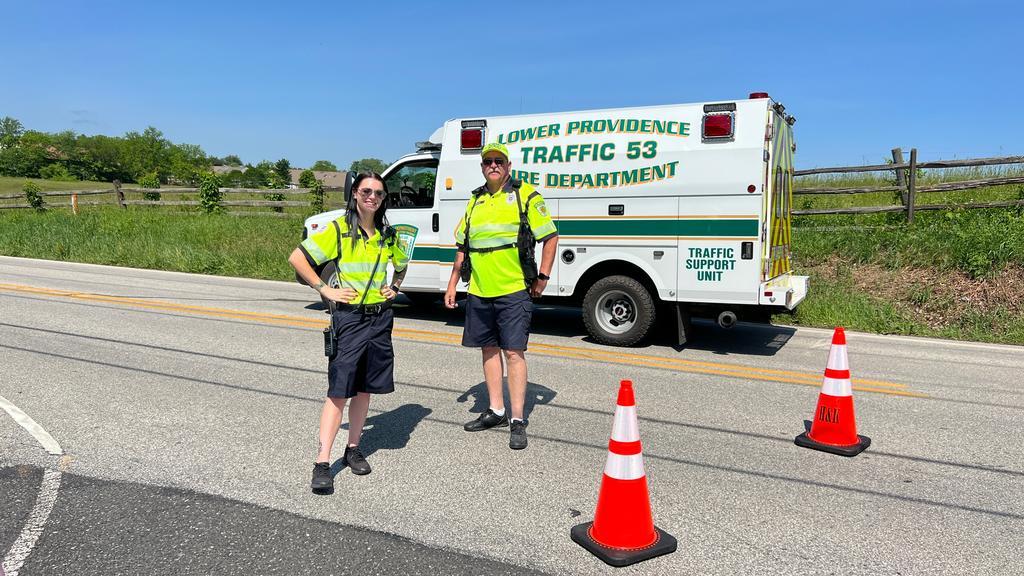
[(511, 198)]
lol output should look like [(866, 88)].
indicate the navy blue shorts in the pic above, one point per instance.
[(503, 321), (365, 361)]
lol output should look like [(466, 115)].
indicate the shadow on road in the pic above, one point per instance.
[(567, 322), (389, 430), (535, 394)]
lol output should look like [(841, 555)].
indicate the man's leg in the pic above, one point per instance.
[(495, 414), (516, 360), (492, 376)]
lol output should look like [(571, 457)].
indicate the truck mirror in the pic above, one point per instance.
[(350, 178)]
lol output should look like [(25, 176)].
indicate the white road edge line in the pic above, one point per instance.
[(26, 541), (22, 547), (37, 431)]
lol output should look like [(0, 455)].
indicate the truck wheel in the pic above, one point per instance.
[(618, 310), (330, 277)]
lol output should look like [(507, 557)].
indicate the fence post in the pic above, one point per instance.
[(901, 181), (120, 194), (911, 183), (74, 204)]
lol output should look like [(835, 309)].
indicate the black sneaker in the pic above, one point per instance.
[(486, 420), (322, 479), (355, 460), (517, 441)]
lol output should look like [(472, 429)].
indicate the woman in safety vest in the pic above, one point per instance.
[(362, 363)]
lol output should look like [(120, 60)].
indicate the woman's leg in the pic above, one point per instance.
[(357, 411), (330, 421)]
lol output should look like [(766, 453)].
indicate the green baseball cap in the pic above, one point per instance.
[(495, 147)]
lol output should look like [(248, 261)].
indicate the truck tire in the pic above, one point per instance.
[(618, 310), (330, 277)]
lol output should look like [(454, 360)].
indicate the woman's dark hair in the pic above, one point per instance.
[(380, 221)]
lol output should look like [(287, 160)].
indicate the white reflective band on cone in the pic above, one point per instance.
[(624, 467), (834, 387), (837, 359), (625, 428)]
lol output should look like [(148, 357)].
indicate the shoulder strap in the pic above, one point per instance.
[(337, 234), (469, 216), (373, 273)]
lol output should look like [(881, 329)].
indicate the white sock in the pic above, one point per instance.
[(500, 412), (517, 419)]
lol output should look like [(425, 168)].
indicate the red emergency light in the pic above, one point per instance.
[(472, 138), (717, 127), (759, 95)]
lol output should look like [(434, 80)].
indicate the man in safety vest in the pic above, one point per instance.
[(503, 222)]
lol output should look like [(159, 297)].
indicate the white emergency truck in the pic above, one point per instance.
[(673, 211)]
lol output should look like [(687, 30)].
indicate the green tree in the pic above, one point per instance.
[(368, 165), (324, 165), (283, 168), (33, 152), (151, 182), (232, 179), (307, 179), (32, 194), (276, 182), (185, 163), (210, 195), (10, 131), (232, 160), (316, 192), (58, 172)]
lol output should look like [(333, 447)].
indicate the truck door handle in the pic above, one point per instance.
[(435, 223)]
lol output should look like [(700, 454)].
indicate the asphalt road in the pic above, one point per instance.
[(187, 407)]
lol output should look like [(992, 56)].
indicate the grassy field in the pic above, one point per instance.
[(953, 274), (9, 186)]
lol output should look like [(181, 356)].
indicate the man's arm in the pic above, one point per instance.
[(453, 280), (547, 262)]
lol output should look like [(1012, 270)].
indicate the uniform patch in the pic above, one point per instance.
[(407, 237), (542, 208)]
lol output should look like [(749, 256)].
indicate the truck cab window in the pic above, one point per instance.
[(412, 185)]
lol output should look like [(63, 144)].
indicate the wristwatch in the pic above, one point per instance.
[(394, 288), (543, 276)]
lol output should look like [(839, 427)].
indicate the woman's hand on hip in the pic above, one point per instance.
[(388, 293), (343, 295)]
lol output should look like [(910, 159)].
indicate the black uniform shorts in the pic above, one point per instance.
[(365, 361), (503, 321)]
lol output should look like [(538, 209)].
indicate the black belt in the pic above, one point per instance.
[(363, 309)]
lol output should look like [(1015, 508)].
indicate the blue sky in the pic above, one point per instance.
[(342, 81)]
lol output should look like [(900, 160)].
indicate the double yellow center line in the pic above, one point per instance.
[(617, 356)]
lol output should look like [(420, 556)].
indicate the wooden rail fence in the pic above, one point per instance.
[(907, 186), (123, 197)]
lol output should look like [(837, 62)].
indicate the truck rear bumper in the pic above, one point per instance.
[(786, 290)]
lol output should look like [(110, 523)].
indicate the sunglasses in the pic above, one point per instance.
[(366, 192), (495, 161)]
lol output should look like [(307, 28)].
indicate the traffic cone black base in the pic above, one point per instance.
[(618, 557), (805, 441)]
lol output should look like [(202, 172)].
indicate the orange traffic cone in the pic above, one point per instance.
[(623, 531), (834, 428)]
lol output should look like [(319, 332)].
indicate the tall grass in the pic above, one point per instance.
[(142, 238)]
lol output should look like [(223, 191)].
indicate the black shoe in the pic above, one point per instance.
[(322, 479), (517, 441), (355, 460), (486, 420)]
